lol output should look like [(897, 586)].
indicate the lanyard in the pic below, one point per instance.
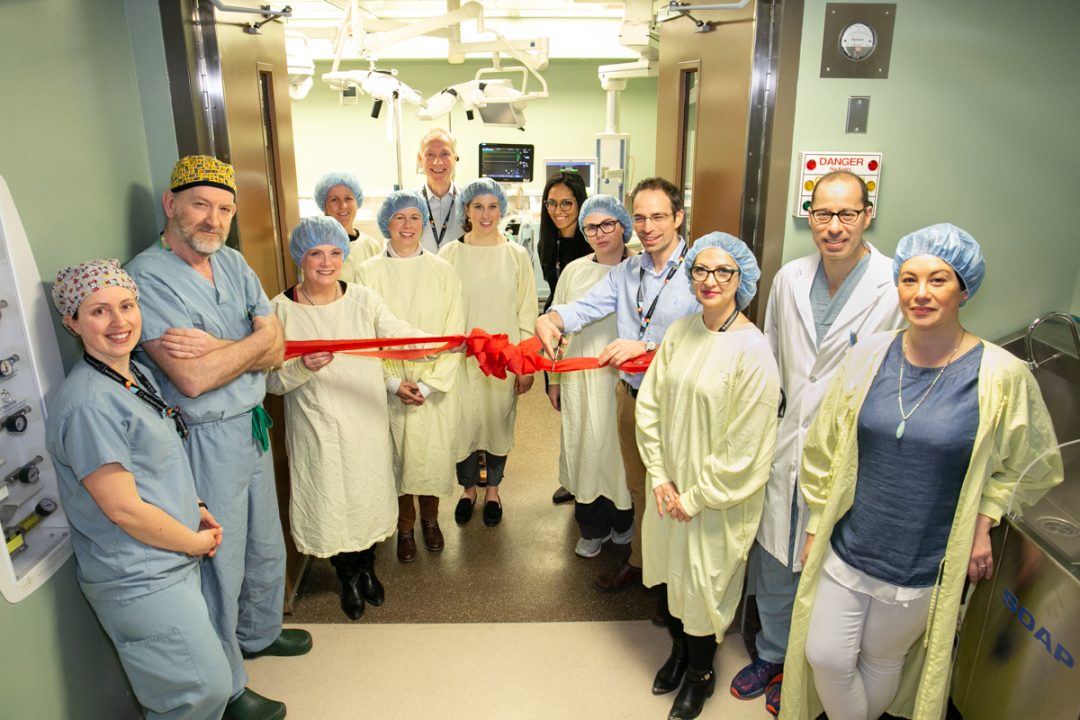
[(646, 317), (439, 234), (624, 256), (146, 393), (731, 319)]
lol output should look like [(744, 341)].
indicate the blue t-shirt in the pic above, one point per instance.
[(174, 294), (907, 489), (94, 421)]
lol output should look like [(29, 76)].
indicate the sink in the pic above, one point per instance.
[(1054, 521)]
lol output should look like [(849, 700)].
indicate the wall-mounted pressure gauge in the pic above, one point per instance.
[(7, 366), (858, 41)]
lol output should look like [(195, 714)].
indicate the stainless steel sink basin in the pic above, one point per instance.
[(1018, 649), (1055, 519)]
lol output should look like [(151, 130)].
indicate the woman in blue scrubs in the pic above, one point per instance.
[(138, 528)]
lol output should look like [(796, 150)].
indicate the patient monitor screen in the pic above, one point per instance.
[(506, 162), (586, 167)]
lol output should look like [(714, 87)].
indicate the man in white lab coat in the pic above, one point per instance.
[(819, 306)]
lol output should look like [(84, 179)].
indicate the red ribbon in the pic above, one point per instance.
[(495, 354)]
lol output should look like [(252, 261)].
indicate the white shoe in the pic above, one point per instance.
[(589, 547), (623, 538)]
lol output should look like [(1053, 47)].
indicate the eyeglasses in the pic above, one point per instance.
[(561, 204), (847, 217), (722, 274), (655, 219), (607, 226)]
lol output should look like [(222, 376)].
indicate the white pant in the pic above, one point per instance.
[(857, 646)]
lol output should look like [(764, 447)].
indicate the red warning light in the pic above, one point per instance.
[(811, 164), (872, 165)]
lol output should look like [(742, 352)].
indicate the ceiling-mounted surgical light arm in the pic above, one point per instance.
[(373, 42), (679, 8)]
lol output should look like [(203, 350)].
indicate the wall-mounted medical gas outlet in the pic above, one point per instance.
[(37, 539), (858, 40)]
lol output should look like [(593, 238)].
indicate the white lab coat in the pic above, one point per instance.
[(806, 370)]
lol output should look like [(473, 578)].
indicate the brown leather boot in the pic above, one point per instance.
[(406, 546), (433, 537)]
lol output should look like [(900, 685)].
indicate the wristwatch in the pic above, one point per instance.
[(650, 346)]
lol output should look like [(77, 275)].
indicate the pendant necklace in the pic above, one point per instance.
[(900, 389), (307, 297)]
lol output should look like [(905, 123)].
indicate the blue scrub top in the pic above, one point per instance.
[(174, 294), (92, 422)]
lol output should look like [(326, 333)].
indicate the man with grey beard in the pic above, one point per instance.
[(209, 333)]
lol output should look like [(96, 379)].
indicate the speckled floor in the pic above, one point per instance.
[(524, 570), (504, 623), (501, 671)]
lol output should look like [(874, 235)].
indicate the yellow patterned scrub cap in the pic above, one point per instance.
[(78, 282), (196, 170)]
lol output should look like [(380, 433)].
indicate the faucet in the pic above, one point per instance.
[(1031, 362)]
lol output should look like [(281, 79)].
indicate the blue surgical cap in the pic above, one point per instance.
[(320, 230), (483, 186), (329, 180), (607, 205), (749, 272), (395, 202), (950, 243)]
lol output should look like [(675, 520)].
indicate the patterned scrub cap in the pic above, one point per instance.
[(196, 170), (76, 283)]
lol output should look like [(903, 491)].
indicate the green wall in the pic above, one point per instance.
[(977, 123), (75, 157), (331, 137)]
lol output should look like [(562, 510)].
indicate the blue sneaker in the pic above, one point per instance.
[(754, 679), (772, 697)]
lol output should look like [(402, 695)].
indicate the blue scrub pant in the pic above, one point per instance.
[(774, 584), (244, 583), (170, 651)]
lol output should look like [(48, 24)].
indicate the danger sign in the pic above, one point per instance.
[(814, 165)]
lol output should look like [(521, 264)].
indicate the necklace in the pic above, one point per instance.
[(900, 389), (337, 289)]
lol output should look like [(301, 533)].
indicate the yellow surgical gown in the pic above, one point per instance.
[(363, 248), (424, 291), (706, 421), (1014, 432), (590, 464), (499, 290), (337, 430)]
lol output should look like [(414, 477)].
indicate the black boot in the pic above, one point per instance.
[(347, 566), (369, 585), (352, 601), (696, 689), (671, 672)]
